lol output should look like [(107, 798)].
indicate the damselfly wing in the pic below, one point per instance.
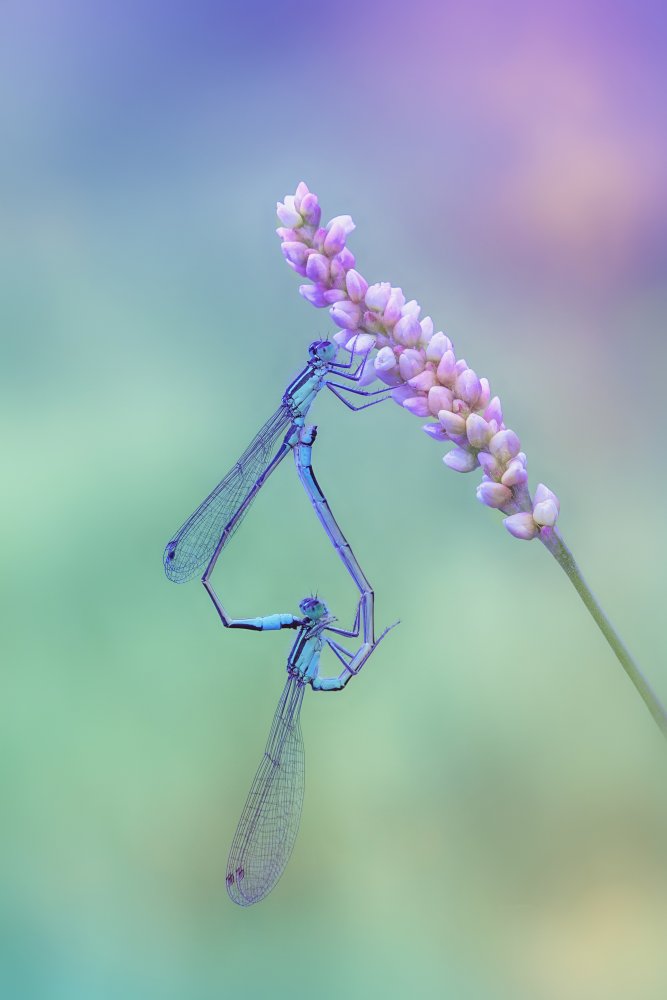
[(270, 819), (193, 545)]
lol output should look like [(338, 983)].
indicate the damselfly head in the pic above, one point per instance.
[(323, 350), (313, 608)]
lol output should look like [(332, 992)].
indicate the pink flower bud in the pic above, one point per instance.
[(341, 337), (346, 259), (314, 295), (385, 360), (411, 308), (332, 295), (288, 214), (545, 513), (362, 343), (392, 311), (543, 492), (318, 238), (504, 446), (334, 241), (289, 235), (310, 210), (477, 431), (435, 431), (439, 398), (377, 296), (367, 373), (426, 325), (485, 394), (296, 253), (300, 194), (493, 494), (461, 366), (521, 526), (407, 331), (372, 322), (467, 386), (424, 381), (437, 346), (446, 370), (491, 467), (417, 405), (453, 424), (338, 274), (410, 364), (515, 474), (356, 285), (494, 411), (344, 222), (317, 268), (401, 393), (460, 460), (345, 314)]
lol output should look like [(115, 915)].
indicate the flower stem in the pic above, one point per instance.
[(559, 550)]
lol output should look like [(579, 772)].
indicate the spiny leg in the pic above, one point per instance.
[(350, 405)]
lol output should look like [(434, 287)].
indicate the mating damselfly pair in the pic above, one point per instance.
[(270, 819)]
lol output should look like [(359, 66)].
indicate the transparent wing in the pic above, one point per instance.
[(270, 820), (194, 544)]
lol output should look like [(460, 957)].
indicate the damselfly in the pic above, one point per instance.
[(269, 822)]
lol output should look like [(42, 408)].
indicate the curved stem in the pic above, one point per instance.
[(559, 550)]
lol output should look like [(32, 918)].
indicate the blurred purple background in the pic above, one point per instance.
[(486, 812)]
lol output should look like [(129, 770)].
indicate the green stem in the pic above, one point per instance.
[(559, 550)]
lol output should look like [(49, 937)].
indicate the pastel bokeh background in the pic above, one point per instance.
[(485, 810)]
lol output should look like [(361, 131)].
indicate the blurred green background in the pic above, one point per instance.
[(485, 807)]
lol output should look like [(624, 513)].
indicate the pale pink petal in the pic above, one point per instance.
[(288, 214), (385, 360), (437, 346), (446, 370), (317, 268), (395, 303), (345, 314), (493, 494), (314, 295), (521, 526), (424, 381), (343, 222), (310, 210), (439, 398), (460, 460), (407, 331), (377, 296), (504, 445), (356, 285), (417, 405), (545, 513), (543, 492), (477, 431), (453, 424), (494, 411), (467, 386), (435, 431), (410, 364)]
